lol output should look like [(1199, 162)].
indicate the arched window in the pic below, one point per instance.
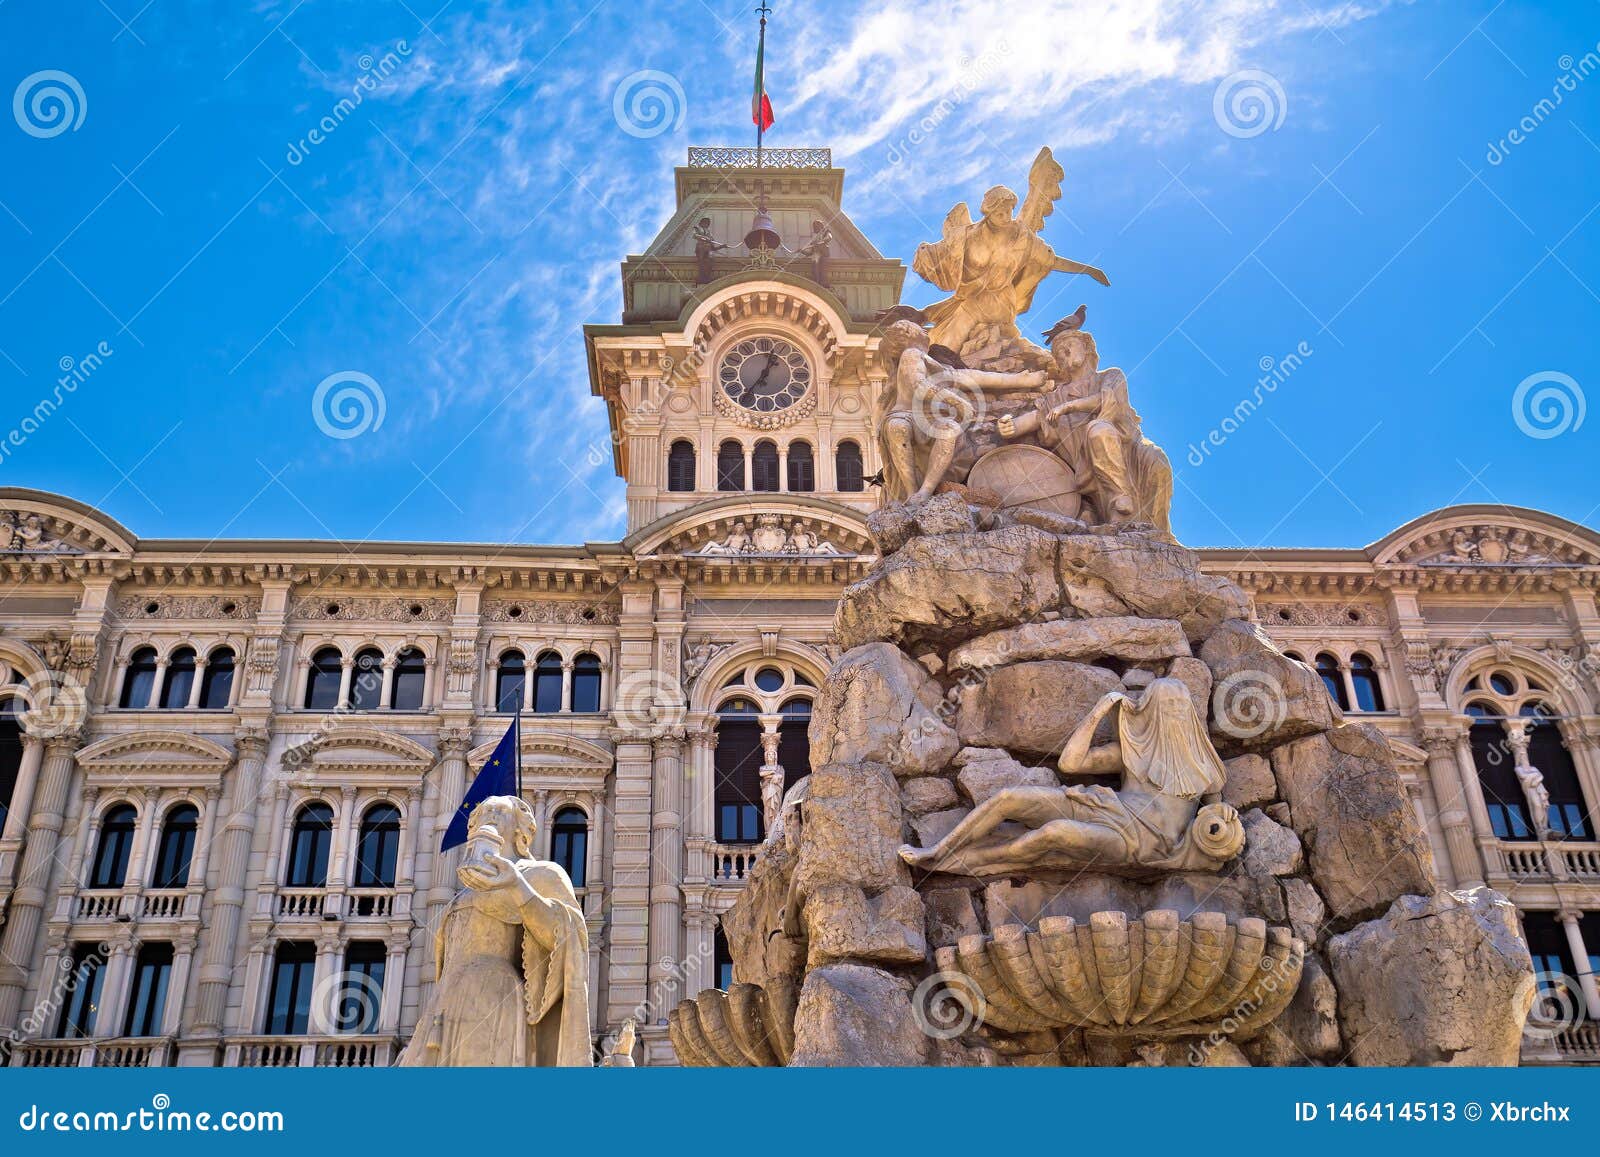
[(802, 467), (1364, 677), (509, 680), (116, 842), (764, 466), (586, 682), (1496, 766), (1569, 815), (378, 849), (547, 684), (216, 685), (849, 474), (737, 785), (10, 753), (180, 678), (1333, 679), (680, 466), (176, 849), (730, 466), (140, 678), (366, 680), (322, 681), (569, 843), (308, 847), (410, 677), (794, 741)]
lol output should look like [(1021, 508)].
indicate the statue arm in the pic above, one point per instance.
[(1078, 757), (1067, 265), (994, 380)]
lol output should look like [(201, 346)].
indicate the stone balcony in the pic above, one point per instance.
[(320, 904), (305, 1052), (731, 863), (123, 905), (1579, 1045), (1551, 860), (120, 1053)]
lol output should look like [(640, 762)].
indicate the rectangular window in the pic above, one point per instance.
[(81, 1001), (147, 1002), (10, 755), (361, 995), (289, 1000)]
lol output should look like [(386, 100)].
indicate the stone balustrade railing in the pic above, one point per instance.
[(290, 1052), (1552, 860), (301, 903), (731, 863), (125, 1053)]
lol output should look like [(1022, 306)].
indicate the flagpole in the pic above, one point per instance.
[(518, 726), (761, 57)]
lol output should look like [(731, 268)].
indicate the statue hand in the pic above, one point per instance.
[(497, 873), (1007, 425)]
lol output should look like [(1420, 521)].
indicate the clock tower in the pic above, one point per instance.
[(740, 381)]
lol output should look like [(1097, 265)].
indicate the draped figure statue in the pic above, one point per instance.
[(1166, 816), (511, 981)]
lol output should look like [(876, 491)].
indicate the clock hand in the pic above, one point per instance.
[(765, 370)]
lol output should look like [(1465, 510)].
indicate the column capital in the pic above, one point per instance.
[(250, 741)]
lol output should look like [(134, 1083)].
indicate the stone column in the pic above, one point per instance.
[(1465, 863), (566, 686), (21, 805), (454, 743), (324, 983), (1580, 960), (394, 983), (149, 804), (341, 848), (666, 896), (227, 901), (112, 1008), (183, 945), (194, 684), (386, 691), (771, 773), (346, 666), (21, 931)]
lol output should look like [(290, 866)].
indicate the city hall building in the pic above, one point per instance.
[(225, 765)]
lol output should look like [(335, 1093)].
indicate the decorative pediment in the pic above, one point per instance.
[(147, 756), (552, 761), (33, 523), (796, 528), (1492, 538), (361, 749)]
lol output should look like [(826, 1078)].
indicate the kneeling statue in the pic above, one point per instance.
[(1167, 815), (511, 986)]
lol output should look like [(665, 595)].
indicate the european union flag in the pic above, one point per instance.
[(502, 775)]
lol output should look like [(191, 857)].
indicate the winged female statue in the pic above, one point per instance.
[(991, 267)]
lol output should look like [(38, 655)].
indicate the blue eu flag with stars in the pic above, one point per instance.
[(501, 775)]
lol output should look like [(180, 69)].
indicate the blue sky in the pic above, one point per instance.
[(450, 236)]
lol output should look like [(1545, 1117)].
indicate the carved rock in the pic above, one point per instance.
[(1196, 676), (763, 953), (945, 589), (1030, 708), (1249, 782), (985, 770), (934, 826), (1131, 640), (844, 924), (1260, 697), (878, 705), (852, 831), (1438, 980), (1129, 574), (891, 527), (952, 914), (1154, 977), (853, 1015), (927, 794), (1306, 909), (1349, 806), (1269, 848)]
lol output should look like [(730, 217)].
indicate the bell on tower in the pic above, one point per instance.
[(763, 234)]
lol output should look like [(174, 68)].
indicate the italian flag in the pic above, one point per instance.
[(760, 106)]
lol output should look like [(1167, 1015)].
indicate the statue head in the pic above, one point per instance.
[(504, 825), (997, 205), (899, 337), (1075, 353)]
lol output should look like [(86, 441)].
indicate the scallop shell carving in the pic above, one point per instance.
[(1157, 976), (745, 1026)]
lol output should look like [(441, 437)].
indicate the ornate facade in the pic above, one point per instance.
[(225, 766)]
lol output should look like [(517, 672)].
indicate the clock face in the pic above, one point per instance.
[(764, 374)]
